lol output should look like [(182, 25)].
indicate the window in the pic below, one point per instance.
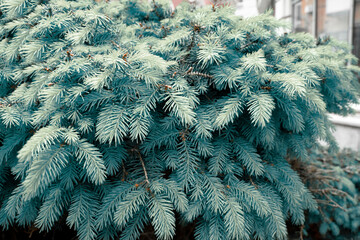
[(356, 29), (334, 19), (297, 25)]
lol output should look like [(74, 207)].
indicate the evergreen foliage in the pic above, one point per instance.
[(335, 183), (120, 115)]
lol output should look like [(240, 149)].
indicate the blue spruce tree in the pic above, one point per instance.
[(121, 115)]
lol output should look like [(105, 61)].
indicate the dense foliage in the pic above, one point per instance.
[(117, 115), (334, 180)]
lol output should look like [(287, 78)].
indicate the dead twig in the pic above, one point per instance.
[(143, 165)]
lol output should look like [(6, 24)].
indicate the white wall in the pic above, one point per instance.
[(333, 6), (347, 132), (283, 9), (247, 8)]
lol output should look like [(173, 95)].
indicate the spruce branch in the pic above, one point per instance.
[(247, 45), (155, 9), (301, 232), (115, 44), (137, 151), (253, 183), (335, 204), (190, 72), (208, 102)]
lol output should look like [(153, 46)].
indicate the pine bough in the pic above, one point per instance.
[(122, 115)]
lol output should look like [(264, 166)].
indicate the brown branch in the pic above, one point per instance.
[(335, 204), (331, 190), (143, 165), (200, 74), (117, 45), (247, 45), (301, 232), (191, 73), (189, 70), (252, 183), (329, 203)]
